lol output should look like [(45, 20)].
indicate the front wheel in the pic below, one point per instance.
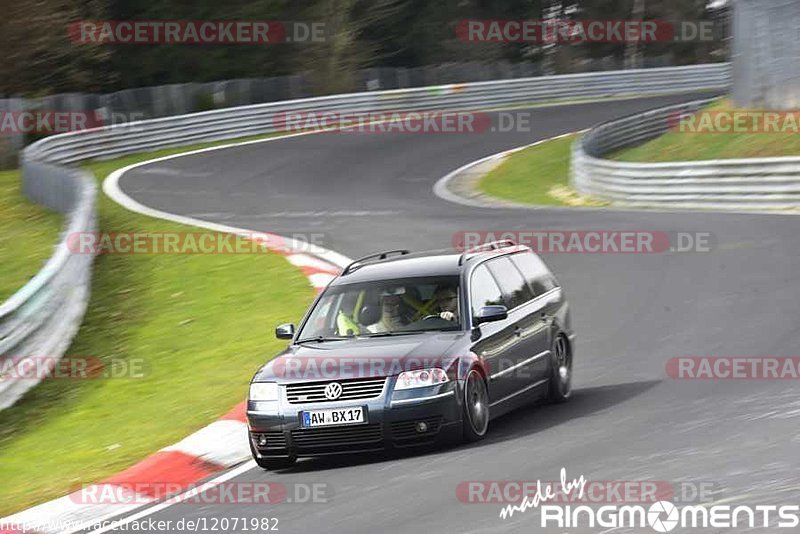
[(561, 375), (476, 407)]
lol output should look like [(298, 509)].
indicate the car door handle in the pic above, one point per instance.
[(517, 331)]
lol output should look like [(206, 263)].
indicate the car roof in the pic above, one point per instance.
[(419, 264), (406, 266)]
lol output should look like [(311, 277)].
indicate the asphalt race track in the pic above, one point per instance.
[(628, 419)]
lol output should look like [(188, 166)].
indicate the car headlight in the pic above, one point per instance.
[(263, 391), (421, 378)]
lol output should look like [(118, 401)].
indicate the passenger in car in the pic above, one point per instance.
[(391, 315)]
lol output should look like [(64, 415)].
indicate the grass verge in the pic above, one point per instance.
[(697, 143), (28, 233), (201, 325), (536, 175)]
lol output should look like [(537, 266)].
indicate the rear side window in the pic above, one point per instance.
[(483, 290), (511, 281), (535, 272)]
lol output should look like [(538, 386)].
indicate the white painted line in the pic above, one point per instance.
[(304, 260), (166, 504), (73, 509), (112, 189), (321, 280), (441, 190)]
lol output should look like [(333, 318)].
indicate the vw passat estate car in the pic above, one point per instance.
[(404, 350)]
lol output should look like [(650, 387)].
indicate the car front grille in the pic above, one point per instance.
[(337, 438), (354, 389)]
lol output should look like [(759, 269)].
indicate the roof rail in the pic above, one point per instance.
[(492, 245), (378, 256)]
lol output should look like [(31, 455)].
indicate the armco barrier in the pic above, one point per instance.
[(39, 321), (749, 184), (43, 316), (265, 118)]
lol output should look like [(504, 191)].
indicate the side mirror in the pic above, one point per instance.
[(285, 331), (489, 314)]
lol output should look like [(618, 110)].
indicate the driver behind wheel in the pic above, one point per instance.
[(447, 301)]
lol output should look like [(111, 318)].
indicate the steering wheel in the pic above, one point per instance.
[(433, 316)]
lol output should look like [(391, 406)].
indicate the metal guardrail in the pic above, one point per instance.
[(41, 319), (269, 118), (38, 322), (734, 184), (140, 103)]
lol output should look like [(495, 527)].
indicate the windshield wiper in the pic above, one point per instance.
[(394, 333), (319, 339)]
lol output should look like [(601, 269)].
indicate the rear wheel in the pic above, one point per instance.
[(561, 376), (476, 407)]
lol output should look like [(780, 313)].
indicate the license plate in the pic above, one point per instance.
[(333, 417)]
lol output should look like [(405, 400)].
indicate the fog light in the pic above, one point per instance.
[(422, 427), (262, 440)]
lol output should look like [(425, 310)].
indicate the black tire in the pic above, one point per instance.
[(561, 370), (475, 412), (271, 464)]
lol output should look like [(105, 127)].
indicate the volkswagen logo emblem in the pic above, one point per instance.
[(333, 391)]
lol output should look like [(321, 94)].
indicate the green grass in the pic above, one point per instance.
[(536, 175), (28, 233), (688, 146), (202, 324), (540, 174)]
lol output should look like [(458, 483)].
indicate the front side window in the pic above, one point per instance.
[(386, 307), (484, 291)]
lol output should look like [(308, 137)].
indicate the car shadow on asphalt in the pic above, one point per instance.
[(521, 422), (541, 416)]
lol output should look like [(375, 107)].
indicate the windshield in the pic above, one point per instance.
[(386, 307)]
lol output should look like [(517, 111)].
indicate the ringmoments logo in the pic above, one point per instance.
[(663, 516), (660, 516)]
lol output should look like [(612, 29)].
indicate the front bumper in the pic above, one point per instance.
[(392, 423)]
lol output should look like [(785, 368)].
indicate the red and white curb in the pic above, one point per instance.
[(212, 449)]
